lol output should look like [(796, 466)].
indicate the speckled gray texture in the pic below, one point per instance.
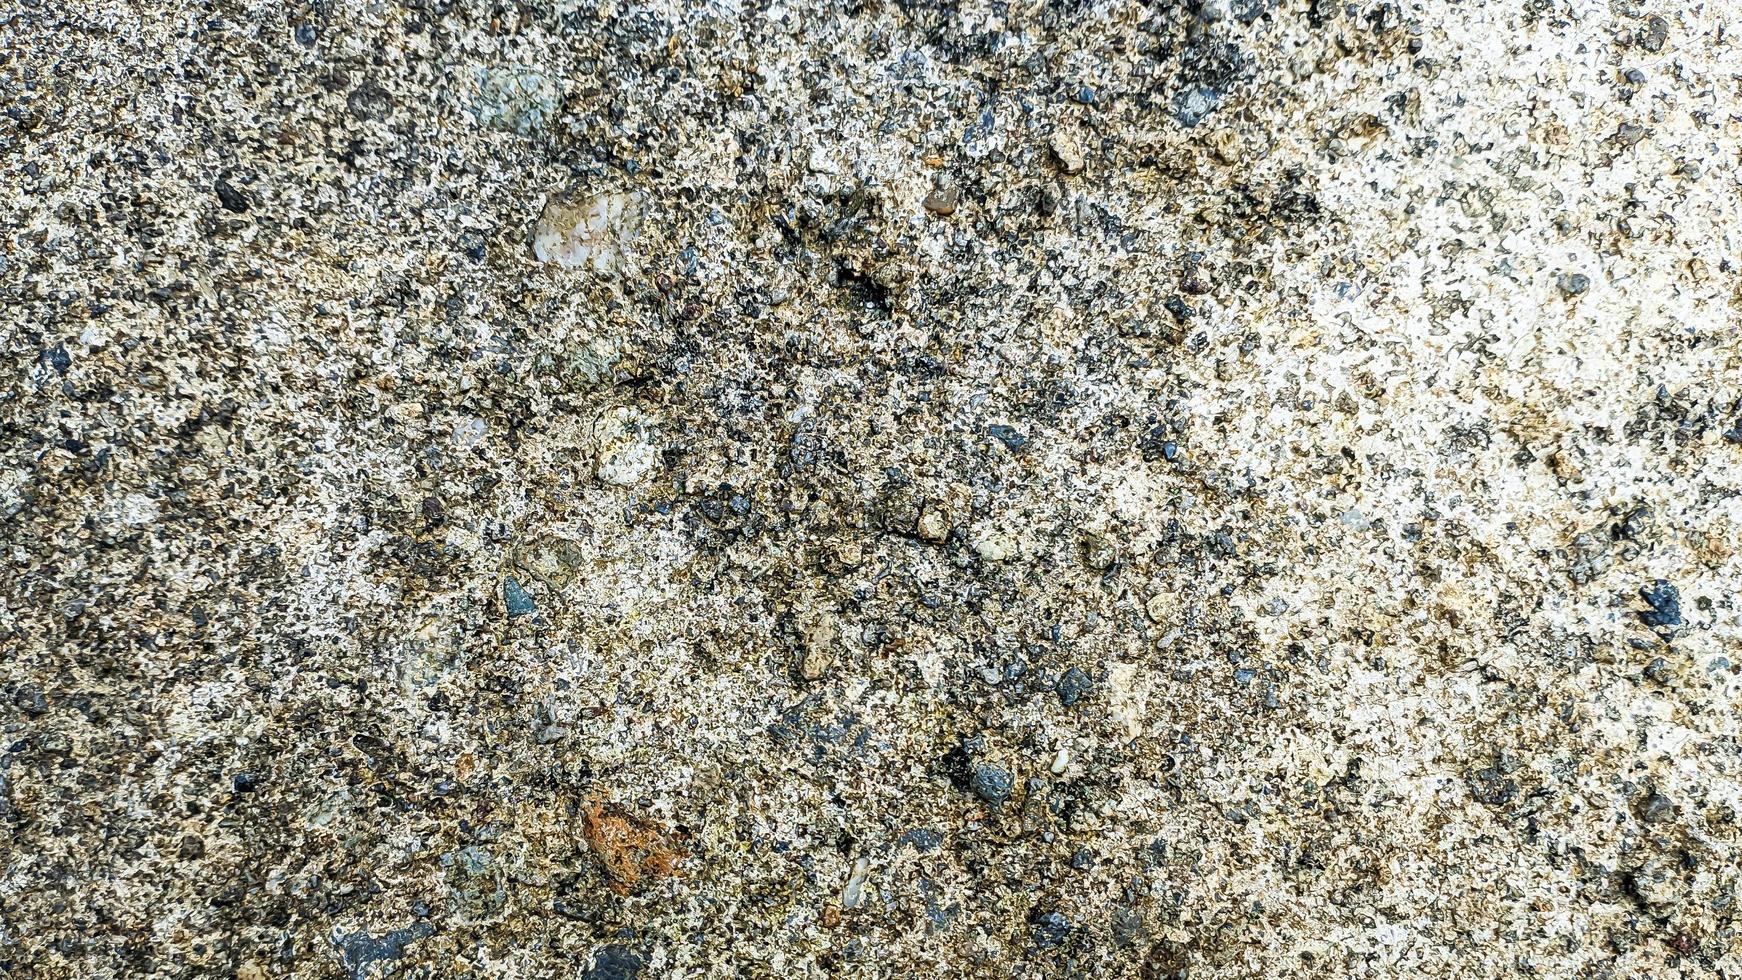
[(1223, 489)]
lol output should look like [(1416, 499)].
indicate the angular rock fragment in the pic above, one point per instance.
[(630, 850)]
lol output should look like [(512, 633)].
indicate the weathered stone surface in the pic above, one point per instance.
[(1222, 489)]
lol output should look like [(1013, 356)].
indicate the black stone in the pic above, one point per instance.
[(1126, 925), (1153, 444), (231, 198), (1665, 601), (57, 358), (1073, 687), (473, 245), (1656, 809)]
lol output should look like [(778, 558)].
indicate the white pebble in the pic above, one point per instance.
[(587, 233)]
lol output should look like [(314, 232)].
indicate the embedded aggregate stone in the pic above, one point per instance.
[(1218, 489)]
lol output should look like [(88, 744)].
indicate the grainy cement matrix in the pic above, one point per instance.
[(1218, 489)]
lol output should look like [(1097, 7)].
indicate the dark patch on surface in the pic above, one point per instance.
[(359, 950), (1012, 439), (615, 963)]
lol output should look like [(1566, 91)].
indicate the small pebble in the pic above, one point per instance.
[(615, 963), (1656, 809), (1061, 762), (1050, 929), (1066, 151), (587, 232), (1191, 105), (1665, 601), (27, 697), (1011, 438), (993, 544), (943, 201), (1073, 687), (934, 525), (516, 599), (473, 245), (57, 358), (1098, 552), (369, 102), (990, 783), (1157, 608), (923, 840), (232, 199), (853, 895), (515, 99), (1655, 34)]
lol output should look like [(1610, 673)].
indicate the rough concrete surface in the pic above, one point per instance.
[(1039, 489)]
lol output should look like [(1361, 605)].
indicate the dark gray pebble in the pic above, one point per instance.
[(1665, 601), (1051, 929), (516, 599), (1012, 439), (1073, 687), (991, 783), (615, 963)]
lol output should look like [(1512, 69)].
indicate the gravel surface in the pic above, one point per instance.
[(1218, 489)]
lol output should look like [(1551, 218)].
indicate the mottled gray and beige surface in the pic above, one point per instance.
[(1031, 489)]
